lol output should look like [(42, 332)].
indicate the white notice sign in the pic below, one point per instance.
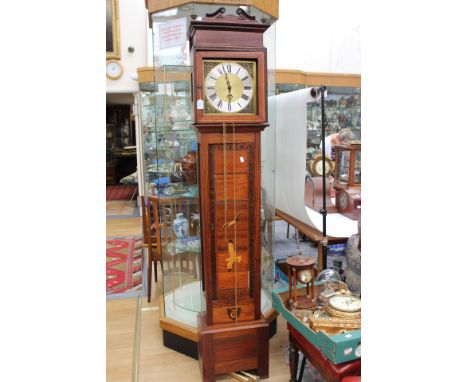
[(173, 33)]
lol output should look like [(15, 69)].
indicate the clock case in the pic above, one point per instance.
[(229, 38), (229, 344)]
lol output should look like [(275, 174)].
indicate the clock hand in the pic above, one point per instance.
[(229, 96)]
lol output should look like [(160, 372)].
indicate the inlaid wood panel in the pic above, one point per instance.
[(238, 233), (221, 314), (221, 257), (231, 174)]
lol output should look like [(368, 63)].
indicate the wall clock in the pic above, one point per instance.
[(229, 82), (316, 166), (114, 70)]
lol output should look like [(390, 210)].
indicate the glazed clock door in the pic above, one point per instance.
[(231, 216), (231, 87)]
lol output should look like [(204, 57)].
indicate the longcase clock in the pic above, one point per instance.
[(229, 82)]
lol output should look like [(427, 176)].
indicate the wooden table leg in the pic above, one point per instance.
[(301, 372), (293, 361)]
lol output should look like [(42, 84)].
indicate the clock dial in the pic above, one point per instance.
[(342, 201), (113, 70), (305, 276), (229, 86), (345, 303), (316, 166)]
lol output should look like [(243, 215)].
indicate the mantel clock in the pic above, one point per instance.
[(229, 82), (301, 270)]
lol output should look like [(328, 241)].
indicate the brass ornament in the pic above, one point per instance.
[(234, 313)]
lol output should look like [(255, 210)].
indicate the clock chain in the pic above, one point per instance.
[(225, 183), (234, 212), (226, 225)]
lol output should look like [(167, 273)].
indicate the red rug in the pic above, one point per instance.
[(121, 191), (124, 264)]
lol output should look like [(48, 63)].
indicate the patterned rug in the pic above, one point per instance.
[(121, 191), (125, 267)]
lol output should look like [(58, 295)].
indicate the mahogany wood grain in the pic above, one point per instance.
[(228, 348), (240, 181), (240, 166), (226, 280)]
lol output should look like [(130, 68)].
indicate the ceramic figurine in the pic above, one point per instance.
[(176, 172), (189, 167), (180, 226)]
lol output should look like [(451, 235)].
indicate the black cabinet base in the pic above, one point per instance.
[(180, 344)]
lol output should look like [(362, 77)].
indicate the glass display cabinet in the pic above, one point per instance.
[(342, 110), (348, 166), (348, 179), (170, 174), (169, 157)]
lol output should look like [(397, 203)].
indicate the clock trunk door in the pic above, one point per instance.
[(231, 212)]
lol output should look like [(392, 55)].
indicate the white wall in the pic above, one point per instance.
[(319, 36), (133, 32)]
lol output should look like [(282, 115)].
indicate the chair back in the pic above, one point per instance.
[(151, 226)]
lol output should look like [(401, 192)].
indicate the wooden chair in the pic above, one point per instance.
[(152, 236), (182, 261)]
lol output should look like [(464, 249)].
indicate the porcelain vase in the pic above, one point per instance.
[(180, 226)]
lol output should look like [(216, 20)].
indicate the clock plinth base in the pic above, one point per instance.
[(303, 302), (233, 347)]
